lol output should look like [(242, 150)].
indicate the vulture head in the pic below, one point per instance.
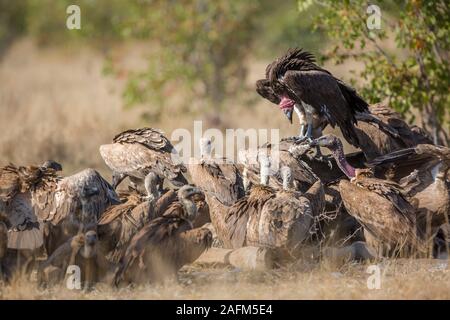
[(274, 89), (88, 211), (205, 147), (51, 164), (90, 244), (334, 144), (286, 176), (151, 183), (186, 196), (264, 168)]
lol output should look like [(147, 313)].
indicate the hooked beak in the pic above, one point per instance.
[(314, 143), (288, 113)]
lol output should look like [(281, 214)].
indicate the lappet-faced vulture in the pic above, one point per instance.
[(231, 222), (136, 153), (295, 82)]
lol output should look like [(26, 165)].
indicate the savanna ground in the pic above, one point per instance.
[(55, 103), (400, 279)]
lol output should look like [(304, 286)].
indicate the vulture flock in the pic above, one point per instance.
[(392, 196)]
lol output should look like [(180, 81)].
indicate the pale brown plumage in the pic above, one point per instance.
[(121, 222), (303, 176), (216, 176), (287, 220), (166, 243), (428, 167), (135, 153), (220, 179), (388, 215), (231, 222)]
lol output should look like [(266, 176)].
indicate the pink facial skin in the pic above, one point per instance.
[(286, 103)]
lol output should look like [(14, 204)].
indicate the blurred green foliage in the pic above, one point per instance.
[(199, 47), (415, 77)]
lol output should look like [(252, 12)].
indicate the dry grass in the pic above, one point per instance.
[(401, 279)]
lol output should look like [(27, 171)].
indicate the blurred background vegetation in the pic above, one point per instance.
[(164, 63)]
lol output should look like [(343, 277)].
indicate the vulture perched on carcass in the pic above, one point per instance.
[(166, 243), (390, 217), (217, 177), (296, 83), (136, 153)]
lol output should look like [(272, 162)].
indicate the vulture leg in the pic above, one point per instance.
[(117, 178)]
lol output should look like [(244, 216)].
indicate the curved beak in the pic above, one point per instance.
[(288, 113), (314, 143)]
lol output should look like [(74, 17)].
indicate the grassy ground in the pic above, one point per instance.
[(400, 279)]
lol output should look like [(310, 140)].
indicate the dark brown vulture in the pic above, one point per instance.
[(428, 166), (166, 243), (217, 177), (119, 223), (295, 82), (388, 215), (136, 153), (383, 131)]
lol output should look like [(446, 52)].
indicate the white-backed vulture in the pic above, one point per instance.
[(166, 243), (231, 222), (121, 222), (388, 215), (295, 82), (217, 177), (136, 153), (287, 219), (40, 205)]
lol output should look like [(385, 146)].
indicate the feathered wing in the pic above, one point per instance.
[(66, 197), (152, 238), (385, 216), (9, 182), (190, 245), (137, 160), (322, 92), (149, 137), (383, 131), (221, 180)]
